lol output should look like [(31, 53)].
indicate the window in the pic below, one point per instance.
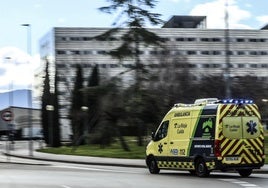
[(86, 38), (179, 39), (153, 52), (240, 40), (75, 38), (253, 53), (205, 39), (240, 53), (75, 52), (254, 66), (241, 65), (216, 52), (102, 52), (190, 39), (216, 39), (252, 40), (87, 52), (61, 52), (205, 52), (61, 66), (162, 131), (113, 65), (263, 53), (191, 52)]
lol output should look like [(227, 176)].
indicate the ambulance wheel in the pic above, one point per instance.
[(245, 172), (152, 165), (201, 168)]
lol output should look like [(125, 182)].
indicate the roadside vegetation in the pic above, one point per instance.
[(95, 150), (115, 150)]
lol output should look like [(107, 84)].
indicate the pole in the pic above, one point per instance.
[(29, 50), (227, 55)]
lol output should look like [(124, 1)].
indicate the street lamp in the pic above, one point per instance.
[(84, 111), (29, 50), (50, 109), (10, 124)]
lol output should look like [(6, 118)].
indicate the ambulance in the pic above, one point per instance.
[(209, 135)]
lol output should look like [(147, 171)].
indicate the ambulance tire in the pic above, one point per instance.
[(201, 169), (245, 172), (152, 165)]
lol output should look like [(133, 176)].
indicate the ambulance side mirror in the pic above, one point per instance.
[(152, 136)]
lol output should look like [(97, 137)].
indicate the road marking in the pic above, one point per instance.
[(241, 183), (94, 169), (65, 186)]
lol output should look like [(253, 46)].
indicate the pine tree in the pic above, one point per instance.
[(93, 100), (134, 36), (56, 123), (77, 103), (45, 101)]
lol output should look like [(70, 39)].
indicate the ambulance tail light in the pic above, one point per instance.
[(217, 148)]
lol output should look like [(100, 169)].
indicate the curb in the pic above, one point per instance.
[(256, 171), (76, 162)]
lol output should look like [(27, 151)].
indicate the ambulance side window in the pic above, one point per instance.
[(162, 131)]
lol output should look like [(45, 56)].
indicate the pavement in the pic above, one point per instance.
[(22, 151)]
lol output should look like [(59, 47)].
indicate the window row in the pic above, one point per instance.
[(179, 52), (178, 65), (180, 39)]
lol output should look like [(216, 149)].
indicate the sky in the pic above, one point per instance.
[(17, 65)]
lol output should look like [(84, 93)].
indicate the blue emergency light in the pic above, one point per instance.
[(237, 101)]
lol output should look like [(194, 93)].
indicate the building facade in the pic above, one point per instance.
[(19, 121), (207, 52)]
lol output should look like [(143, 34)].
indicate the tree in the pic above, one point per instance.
[(93, 99), (136, 36), (77, 103), (133, 39), (56, 123), (45, 101)]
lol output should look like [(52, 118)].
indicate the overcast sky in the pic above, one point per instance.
[(46, 14)]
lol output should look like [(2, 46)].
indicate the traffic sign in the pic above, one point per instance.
[(7, 115)]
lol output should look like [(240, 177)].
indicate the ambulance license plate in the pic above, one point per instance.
[(232, 158)]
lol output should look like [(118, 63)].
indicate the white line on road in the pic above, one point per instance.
[(241, 183), (65, 186), (94, 169)]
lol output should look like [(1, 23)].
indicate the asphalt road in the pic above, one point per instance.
[(61, 175)]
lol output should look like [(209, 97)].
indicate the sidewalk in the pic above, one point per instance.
[(23, 152), (136, 163)]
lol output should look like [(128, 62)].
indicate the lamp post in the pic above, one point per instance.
[(227, 55), (84, 111), (50, 109), (29, 50)]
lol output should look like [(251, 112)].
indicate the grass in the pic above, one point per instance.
[(115, 150)]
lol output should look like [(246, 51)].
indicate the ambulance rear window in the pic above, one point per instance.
[(241, 127)]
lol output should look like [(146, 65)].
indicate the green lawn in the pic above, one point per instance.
[(115, 150)]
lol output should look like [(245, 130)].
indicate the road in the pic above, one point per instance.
[(62, 175), (28, 173)]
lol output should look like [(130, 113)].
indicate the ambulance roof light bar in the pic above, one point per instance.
[(236, 101), (205, 101)]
